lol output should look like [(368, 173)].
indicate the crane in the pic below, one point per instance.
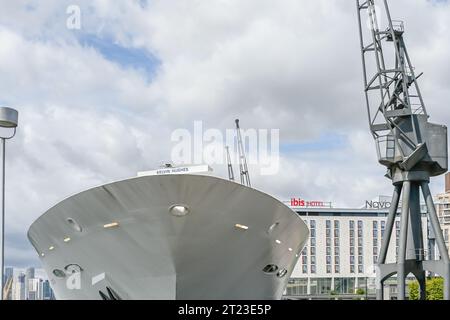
[(411, 148), (245, 176), (230, 166)]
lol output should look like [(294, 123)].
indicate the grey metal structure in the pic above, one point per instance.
[(229, 165), (125, 241), (9, 119), (243, 168), (412, 149)]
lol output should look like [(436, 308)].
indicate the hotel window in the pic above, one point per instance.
[(313, 269), (375, 225), (328, 268), (336, 250), (352, 242), (313, 232), (328, 232), (352, 224), (305, 260), (360, 232), (336, 232), (328, 259), (305, 268), (360, 242), (336, 268), (336, 260), (375, 242), (313, 251), (328, 242), (352, 251), (352, 268), (352, 259), (313, 241), (360, 260), (328, 224), (313, 260), (352, 233), (360, 251), (360, 224), (375, 250), (336, 224), (383, 227), (305, 251), (336, 241), (375, 259), (328, 251), (360, 269), (397, 224)]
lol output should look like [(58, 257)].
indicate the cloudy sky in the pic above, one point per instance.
[(99, 103)]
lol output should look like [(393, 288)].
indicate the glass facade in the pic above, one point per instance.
[(297, 287), (344, 285)]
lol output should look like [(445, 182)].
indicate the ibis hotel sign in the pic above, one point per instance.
[(302, 203)]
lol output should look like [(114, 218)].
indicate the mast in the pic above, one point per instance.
[(230, 166), (245, 177)]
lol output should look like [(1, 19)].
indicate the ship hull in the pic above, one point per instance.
[(123, 236)]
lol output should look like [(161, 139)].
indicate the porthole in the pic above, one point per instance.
[(75, 226), (270, 268), (59, 273)]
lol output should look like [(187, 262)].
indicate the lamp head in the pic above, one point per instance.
[(9, 118)]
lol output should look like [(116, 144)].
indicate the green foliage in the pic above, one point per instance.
[(360, 291), (434, 288), (414, 290)]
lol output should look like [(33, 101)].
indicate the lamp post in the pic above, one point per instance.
[(9, 120)]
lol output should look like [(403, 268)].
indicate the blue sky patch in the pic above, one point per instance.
[(134, 58)]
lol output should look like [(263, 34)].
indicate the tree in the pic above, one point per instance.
[(434, 289), (414, 290)]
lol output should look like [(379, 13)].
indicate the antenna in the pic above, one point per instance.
[(230, 166), (245, 177), (412, 149)]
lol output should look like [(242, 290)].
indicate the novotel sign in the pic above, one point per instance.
[(298, 202), (377, 204)]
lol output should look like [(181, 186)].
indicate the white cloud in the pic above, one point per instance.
[(292, 65)]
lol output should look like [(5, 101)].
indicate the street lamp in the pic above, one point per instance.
[(8, 119)]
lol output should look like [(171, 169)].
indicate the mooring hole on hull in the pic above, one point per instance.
[(270, 268)]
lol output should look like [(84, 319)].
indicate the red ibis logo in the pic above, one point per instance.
[(298, 202)]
